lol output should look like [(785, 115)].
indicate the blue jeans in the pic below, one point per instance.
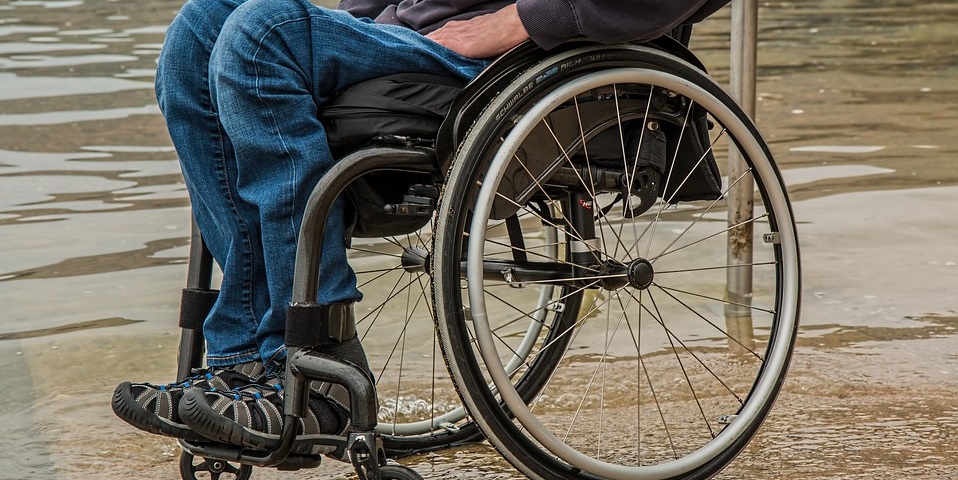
[(239, 84)]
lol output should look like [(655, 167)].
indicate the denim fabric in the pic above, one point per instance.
[(240, 84)]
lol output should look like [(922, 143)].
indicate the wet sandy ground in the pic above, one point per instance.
[(871, 393), (848, 411), (856, 99)]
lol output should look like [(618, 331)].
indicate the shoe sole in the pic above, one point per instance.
[(197, 414), (127, 408)]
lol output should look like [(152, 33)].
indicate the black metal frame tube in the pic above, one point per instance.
[(334, 182), (363, 407), (581, 217), (199, 274)]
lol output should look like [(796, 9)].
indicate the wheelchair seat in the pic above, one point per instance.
[(432, 113)]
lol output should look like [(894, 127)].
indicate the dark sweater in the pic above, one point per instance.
[(549, 22)]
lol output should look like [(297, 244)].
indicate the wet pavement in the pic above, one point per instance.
[(856, 99)]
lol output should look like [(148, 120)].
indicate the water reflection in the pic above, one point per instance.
[(43, 61), (101, 323), (13, 87), (855, 98), (70, 116), (13, 48)]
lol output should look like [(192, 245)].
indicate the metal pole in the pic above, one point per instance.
[(740, 199)]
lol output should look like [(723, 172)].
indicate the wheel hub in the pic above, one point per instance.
[(615, 275), (414, 259), (641, 273)]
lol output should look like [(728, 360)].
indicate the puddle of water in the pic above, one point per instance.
[(803, 175), (101, 323), (43, 61), (70, 116), (16, 29), (894, 251), (48, 4), (839, 148), (13, 48), (94, 223), (13, 87)]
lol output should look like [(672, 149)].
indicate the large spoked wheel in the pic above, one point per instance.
[(419, 407), (680, 342)]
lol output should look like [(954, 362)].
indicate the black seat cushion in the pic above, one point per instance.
[(405, 104)]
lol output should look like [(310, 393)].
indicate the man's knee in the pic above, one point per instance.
[(263, 15), (250, 23), (193, 32), (271, 28), (189, 40), (203, 18), (254, 19)]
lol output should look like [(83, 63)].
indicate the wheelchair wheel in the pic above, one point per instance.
[(661, 364), (420, 409)]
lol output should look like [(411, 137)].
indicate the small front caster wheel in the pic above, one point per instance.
[(398, 472), (194, 468)]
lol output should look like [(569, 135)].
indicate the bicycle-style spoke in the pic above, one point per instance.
[(665, 203), (588, 187), (571, 232), (717, 267), (670, 336), (706, 320), (629, 172), (603, 365), (716, 299), (375, 252), (396, 290), (700, 216), (382, 272), (397, 329), (539, 255), (709, 237), (668, 178), (560, 335), (402, 346)]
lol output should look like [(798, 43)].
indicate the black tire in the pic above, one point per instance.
[(732, 374), (209, 469), (398, 472)]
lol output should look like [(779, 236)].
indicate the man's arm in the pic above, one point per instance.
[(551, 22)]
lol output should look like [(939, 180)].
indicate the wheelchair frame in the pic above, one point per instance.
[(310, 323)]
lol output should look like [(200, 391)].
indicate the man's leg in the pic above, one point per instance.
[(229, 225), (274, 64), (182, 87)]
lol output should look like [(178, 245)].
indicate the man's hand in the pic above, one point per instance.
[(484, 36)]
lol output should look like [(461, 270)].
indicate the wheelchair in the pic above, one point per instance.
[(565, 241)]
